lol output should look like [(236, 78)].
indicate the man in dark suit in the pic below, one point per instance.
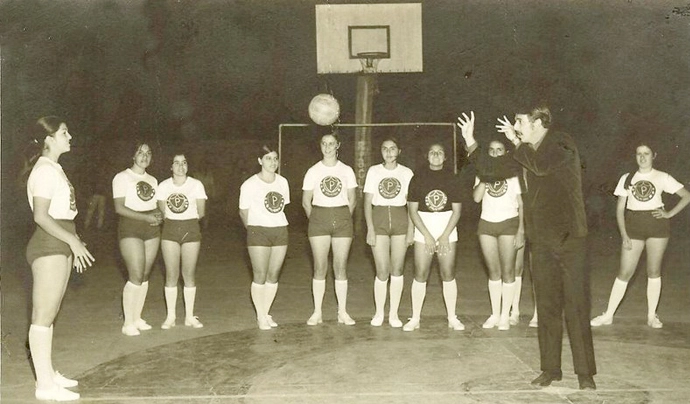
[(556, 227)]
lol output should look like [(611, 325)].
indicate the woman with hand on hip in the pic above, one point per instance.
[(329, 198), (434, 205), (262, 199), (182, 199), (389, 228), (138, 232), (54, 248), (643, 223)]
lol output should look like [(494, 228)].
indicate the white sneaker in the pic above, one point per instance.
[(62, 381), (491, 322), (130, 330), (270, 321), (654, 322), (377, 320), (315, 319), (142, 325), (57, 393), (514, 318), (604, 319), (263, 324), (455, 324), (168, 323), (394, 321), (411, 325), (534, 322), (194, 322), (344, 318)]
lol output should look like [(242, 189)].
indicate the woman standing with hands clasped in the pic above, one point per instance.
[(389, 229), (182, 199), (328, 199), (262, 199), (643, 222), (54, 248), (138, 232), (434, 207)]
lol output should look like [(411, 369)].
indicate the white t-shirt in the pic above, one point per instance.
[(500, 201), (137, 189), (645, 189), (389, 187), (180, 200), (265, 201), (48, 180), (329, 184)]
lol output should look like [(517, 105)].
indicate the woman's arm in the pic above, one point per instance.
[(307, 197), (684, 195), (520, 236), (122, 210), (201, 208), (620, 219), (443, 240), (478, 191), (244, 215), (352, 199), (429, 241), (369, 218)]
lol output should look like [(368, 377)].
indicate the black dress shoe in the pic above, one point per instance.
[(546, 377), (586, 382)]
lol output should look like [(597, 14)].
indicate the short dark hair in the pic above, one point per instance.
[(536, 111)]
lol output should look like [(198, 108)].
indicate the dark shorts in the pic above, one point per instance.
[(43, 244), (508, 227), (334, 222), (390, 220), (260, 236), (132, 228), (641, 225), (181, 231)]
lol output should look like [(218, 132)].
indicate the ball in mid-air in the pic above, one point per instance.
[(324, 109)]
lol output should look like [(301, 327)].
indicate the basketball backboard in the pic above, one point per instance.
[(346, 32)]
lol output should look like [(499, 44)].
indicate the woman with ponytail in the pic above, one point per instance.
[(54, 248)]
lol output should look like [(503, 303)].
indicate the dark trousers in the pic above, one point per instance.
[(561, 281)]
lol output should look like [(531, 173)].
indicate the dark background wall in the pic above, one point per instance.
[(213, 76)]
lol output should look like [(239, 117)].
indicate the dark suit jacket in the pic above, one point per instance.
[(554, 208)]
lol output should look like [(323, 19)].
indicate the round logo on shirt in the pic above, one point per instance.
[(389, 187), (145, 191), (72, 198), (274, 202), (436, 200), (331, 186), (497, 188), (177, 203), (643, 190)]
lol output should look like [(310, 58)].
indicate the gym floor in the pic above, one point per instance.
[(231, 361)]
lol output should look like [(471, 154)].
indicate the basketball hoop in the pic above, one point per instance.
[(370, 60)]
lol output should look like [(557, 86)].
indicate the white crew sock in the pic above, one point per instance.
[(507, 292), (258, 298), (341, 295), (450, 297), (617, 293), (171, 301), (495, 296), (189, 299), (379, 296), (396, 294), (653, 294), (270, 291), (318, 289), (41, 346), (141, 300), (130, 302), (418, 294)]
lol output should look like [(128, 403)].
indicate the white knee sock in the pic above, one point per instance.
[(41, 346), (516, 296), (270, 291), (507, 292), (495, 296), (130, 302), (450, 296), (617, 293), (189, 298), (141, 300), (171, 301), (341, 295), (653, 294), (318, 289), (418, 295), (379, 295), (396, 294), (258, 293)]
